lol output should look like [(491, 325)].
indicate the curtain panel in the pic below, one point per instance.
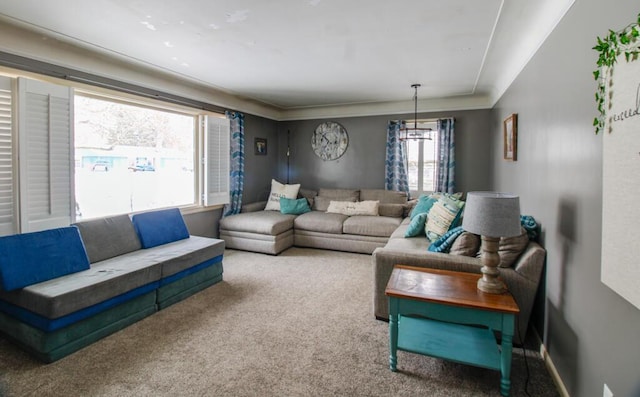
[(236, 181), (445, 181), (396, 160)]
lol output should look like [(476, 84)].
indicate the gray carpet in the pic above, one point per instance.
[(297, 324)]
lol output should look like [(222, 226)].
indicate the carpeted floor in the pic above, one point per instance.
[(297, 324)]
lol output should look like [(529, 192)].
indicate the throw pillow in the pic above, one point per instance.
[(368, 207), (467, 244), (294, 207), (416, 227), (280, 190), (423, 205), (510, 248), (442, 216)]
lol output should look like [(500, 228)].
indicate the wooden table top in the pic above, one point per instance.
[(446, 287)]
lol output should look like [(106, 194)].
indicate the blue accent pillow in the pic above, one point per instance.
[(416, 227), (423, 206), (160, 227), (294, 206), (31, 258)]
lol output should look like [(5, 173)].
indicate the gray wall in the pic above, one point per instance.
[(259, 169), (362, 165), (590, 332)]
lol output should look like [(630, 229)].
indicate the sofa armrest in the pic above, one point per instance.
[(529, 264), (253, 207)]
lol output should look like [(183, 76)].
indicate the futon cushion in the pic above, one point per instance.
[(30, 258), (160, 227), (109, 237)]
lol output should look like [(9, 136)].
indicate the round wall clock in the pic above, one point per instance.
[(330, 140)]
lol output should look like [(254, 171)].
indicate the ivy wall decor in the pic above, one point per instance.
[(618, 102)]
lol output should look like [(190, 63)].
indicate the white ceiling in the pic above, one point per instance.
[(298, 55)]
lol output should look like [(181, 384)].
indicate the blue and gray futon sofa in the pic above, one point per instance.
[(63, 289)]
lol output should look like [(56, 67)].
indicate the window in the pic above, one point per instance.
[(92, 154), (422, 161), (131, 158)]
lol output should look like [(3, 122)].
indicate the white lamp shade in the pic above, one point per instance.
[(492, 214)]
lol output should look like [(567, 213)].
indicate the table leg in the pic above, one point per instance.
[(393, 341), (505, 363)]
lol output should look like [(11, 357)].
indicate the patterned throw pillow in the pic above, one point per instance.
[(280, 190), (443, 216), (424, 204)]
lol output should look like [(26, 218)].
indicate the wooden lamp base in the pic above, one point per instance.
[(490, 283)]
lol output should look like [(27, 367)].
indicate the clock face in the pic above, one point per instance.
[(330, 140)]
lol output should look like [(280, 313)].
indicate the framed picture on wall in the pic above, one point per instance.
[(510, 127), (260, 146)]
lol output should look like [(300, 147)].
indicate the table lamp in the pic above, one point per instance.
[(491, 215)]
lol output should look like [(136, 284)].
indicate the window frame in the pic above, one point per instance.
[(423, 123)]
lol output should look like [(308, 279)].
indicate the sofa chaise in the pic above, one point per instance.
[(63, 289)]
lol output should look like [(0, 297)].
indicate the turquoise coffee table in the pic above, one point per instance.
[(437, 313)]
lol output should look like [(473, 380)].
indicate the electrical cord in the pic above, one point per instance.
[(526, 364)]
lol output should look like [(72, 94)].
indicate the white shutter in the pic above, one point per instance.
[(8, 213), (217, 148), (46, 155)]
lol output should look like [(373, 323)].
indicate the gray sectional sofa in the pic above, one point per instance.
[(271, 232), (63, 289), (382, 236)]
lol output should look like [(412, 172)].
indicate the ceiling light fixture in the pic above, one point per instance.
[(414, 132)]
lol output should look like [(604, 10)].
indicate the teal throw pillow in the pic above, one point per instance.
[(416, 227), (294, 206), (424, 205)]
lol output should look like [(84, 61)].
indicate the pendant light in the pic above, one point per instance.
[(414, 132)]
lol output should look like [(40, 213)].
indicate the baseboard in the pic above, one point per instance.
[(551, 367)]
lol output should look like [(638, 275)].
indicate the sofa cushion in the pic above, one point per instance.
[(294, 206), (31, 258), (383, 196), (354, 208), (279, 190), (340, 194), (105, 238), (392, 210), (322, 203), (366, 225), (160, 227), (510, 248), (270, 223), (324, 222)]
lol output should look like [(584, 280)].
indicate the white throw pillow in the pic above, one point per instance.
[(280, 190), (367, 207)]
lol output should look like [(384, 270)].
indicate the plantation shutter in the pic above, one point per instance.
[(46, 155), (8, 214), (217, 154)]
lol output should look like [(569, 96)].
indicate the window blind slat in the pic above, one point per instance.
[(7, 180)]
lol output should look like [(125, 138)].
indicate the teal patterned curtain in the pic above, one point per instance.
[(236, 182), (396, 160), (446, 159)]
